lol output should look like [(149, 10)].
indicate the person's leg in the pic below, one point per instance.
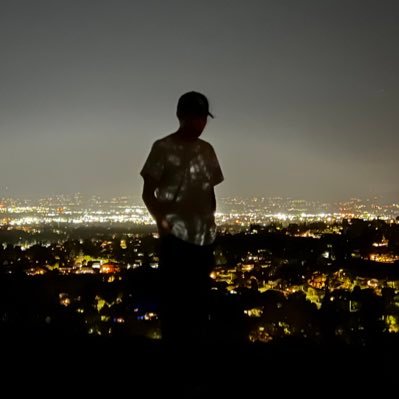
[(185, 287), (198, 270), (169, 265), (197, 320)]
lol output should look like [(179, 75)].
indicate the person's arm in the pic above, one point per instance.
[(152, 173), (216, 175), (213, 200), (153, 205)]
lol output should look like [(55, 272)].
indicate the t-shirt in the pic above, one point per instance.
[(186, 172)]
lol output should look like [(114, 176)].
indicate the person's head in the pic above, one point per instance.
[(192, 112)]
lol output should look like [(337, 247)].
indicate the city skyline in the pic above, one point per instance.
[(5, 195), (304, 94), (78, 210)]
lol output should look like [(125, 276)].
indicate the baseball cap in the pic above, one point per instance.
[(193, 103)]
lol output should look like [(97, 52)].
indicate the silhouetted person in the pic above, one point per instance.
[(180, 174)]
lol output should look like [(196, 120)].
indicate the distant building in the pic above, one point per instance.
[(109, 268)]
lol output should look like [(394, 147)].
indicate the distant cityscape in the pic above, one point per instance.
[(77, 209), (284, 268)]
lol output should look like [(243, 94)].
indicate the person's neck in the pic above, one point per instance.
[(184, 134)]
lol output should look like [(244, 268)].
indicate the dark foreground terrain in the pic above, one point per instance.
[(131, 368)]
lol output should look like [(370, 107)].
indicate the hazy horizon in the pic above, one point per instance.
[(4, 194)]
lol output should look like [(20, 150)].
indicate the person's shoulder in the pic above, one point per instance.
[(169, 137), (205, 145), (163, 141)]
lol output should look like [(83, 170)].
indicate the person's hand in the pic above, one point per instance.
[(164, 227)]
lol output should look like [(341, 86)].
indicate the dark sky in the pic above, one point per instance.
[(305, 93)]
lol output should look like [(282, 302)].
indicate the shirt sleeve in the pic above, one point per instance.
[(154, 165), (216, 172)]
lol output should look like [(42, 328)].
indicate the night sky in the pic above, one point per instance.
[(305, 93)]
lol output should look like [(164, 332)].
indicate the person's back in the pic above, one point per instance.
[(185, 189), (179, 178)]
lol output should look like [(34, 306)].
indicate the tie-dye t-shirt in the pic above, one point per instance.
[(186, 172)]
